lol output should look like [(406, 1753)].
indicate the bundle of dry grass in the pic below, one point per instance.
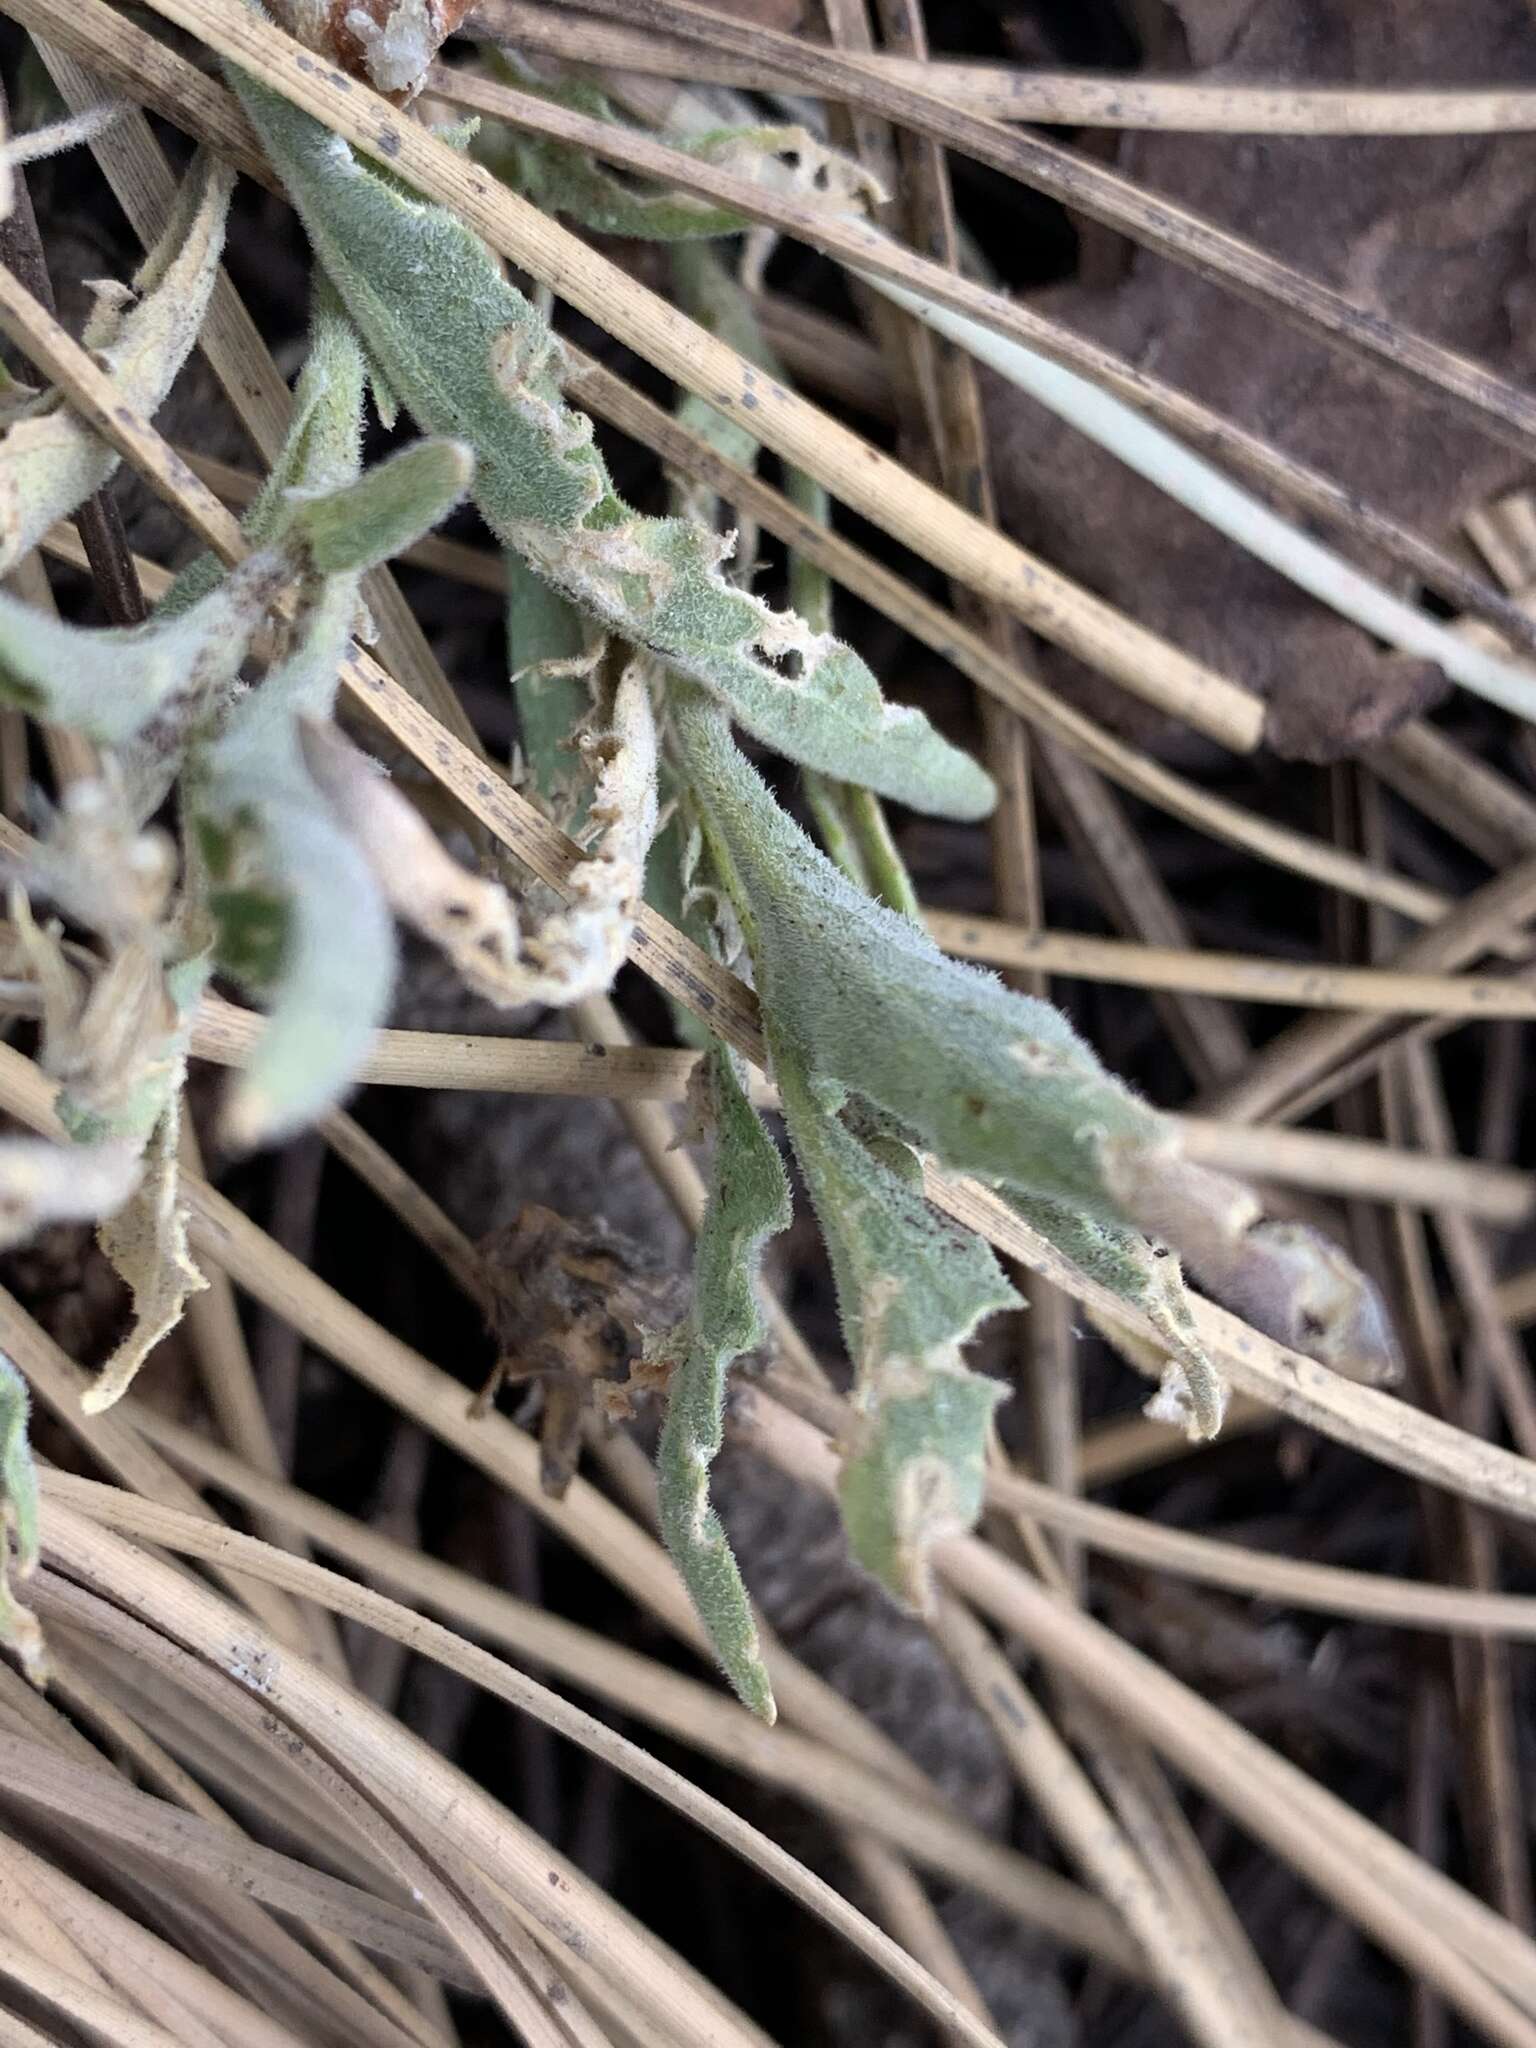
[(989, 1732)]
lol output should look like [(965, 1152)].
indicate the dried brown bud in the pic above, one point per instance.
[(568, 1304), (390, 43)]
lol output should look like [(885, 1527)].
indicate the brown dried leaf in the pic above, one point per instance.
[(146, 1240)]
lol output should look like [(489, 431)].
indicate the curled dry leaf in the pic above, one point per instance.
[(50, 460), (146, 1237), (1286, 1278), (468, 916), (111, 1034), (115, 1033), (146, 1240), (19, 1628), (578, 948)]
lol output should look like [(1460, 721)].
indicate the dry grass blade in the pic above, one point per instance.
[(1484, 1966), (1087, 187), (618, 1676), (1406, 1603), (1274, 1084), (633, 1074), (1485, 810), (1376, 1423), (229, 1380), (38, 1779), (1187, 1976), (79, 2003), (369, 1160), (680, 1707), (298, 1985), (865, 248), (525, 1692), (117, 1447), (849, 467), (404, 1833), (1304, 985), (1065, 98), (183, 94)]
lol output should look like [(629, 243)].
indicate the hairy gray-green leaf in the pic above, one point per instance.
[(19, 1628), (303, 922), (552, 681), (1150, 1279), (322, 448), (109, 682), (473, 359), (911, 1289), (50, 460), (859, 999), (334, 961), (849, 817), (748, 1203), (991, 1083), (343, 532), (999, 1085), (559, 178)]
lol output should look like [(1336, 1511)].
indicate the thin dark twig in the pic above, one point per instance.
[(277, 1345), (1428, 1761)]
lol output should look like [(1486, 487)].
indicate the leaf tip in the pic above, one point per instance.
[(915, 1477)]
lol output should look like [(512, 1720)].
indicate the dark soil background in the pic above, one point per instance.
[(1439, 231)]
